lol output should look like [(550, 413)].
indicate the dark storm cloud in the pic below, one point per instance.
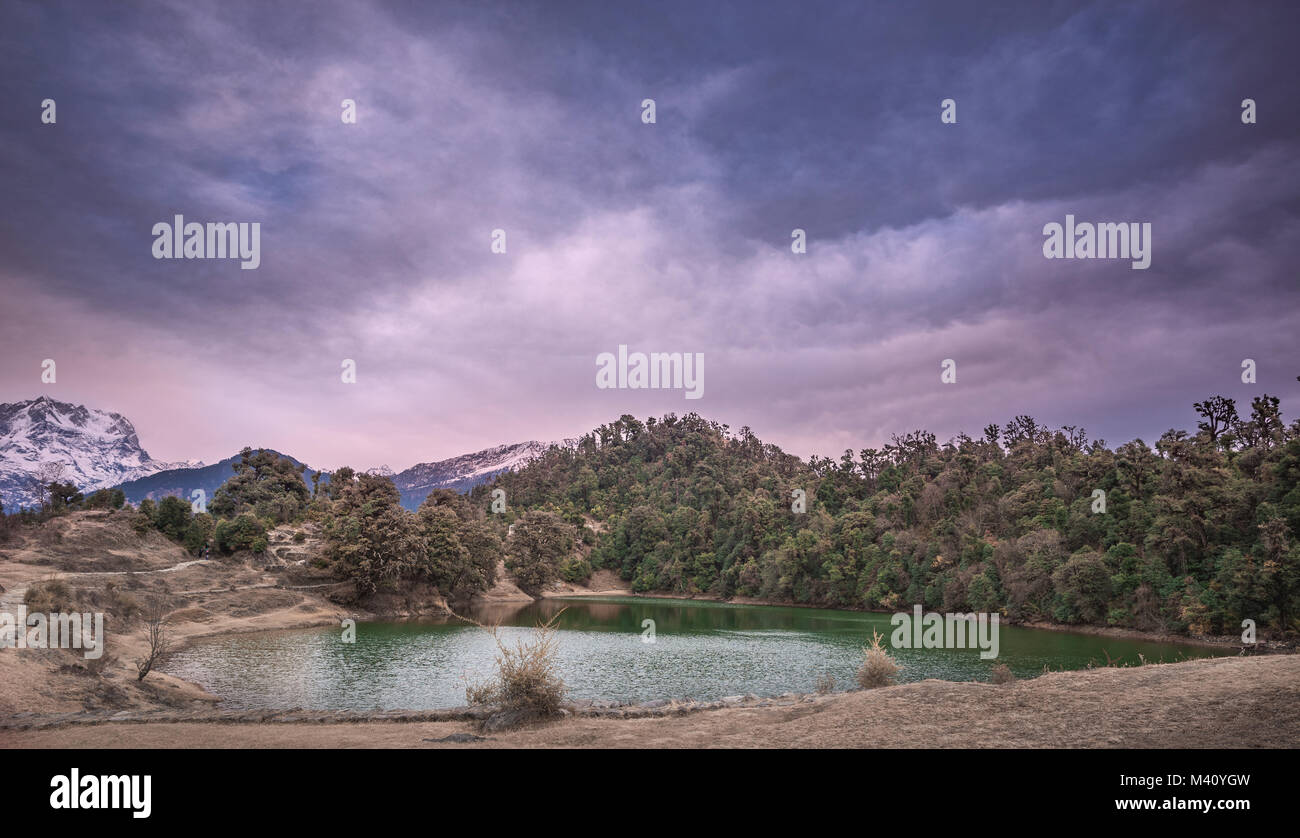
[(925, 239)]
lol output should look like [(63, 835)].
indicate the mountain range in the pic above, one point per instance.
[(42, 440)]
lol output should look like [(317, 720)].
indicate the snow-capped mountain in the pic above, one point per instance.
[(42, 440), (95, 450), (466, 471)]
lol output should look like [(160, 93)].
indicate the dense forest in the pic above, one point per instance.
[(1195, 534)]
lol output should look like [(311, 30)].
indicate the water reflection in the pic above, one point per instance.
[(702, 650)]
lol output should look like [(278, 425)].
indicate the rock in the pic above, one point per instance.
[(460, 737)]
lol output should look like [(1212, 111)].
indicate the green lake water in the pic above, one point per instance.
[(702, 650)]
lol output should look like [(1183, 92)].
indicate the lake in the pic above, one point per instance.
[(702, 650)]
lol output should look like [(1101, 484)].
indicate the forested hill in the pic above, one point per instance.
[(1197, 533)]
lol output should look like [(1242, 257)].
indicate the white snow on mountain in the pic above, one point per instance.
[(42, 440), (463, 472)]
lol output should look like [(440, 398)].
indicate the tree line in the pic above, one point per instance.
[(1193, 534), (1198, 531)]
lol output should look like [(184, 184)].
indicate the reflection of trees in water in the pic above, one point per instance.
[(497, 613), (602, 611), (669, 616)]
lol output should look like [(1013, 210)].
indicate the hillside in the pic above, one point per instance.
[(97, 561), (1195, 534)]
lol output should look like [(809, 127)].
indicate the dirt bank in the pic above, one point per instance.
[(106, 566), (1210, 703)]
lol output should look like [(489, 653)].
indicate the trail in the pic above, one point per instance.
[(13, 597)]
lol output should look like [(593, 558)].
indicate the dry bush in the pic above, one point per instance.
[(878, 668), (484, 693), (1001, 674), (825, 684), (52, 596), (525, 686)]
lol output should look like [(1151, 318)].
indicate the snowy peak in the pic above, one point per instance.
[(44, 439), (466, 471)]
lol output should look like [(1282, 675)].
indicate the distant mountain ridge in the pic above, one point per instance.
[(101, 450), (182, 482), (460, 473), (464, 472), (94, 448)]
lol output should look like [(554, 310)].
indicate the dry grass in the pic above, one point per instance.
[(878, 668)]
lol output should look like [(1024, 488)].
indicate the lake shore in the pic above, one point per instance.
[(1244, 702), (213, 599), (604, 587)]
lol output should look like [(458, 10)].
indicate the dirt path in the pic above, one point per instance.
[(1221, 702), (13, 596)]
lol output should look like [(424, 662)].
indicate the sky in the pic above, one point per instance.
[(924, 238)]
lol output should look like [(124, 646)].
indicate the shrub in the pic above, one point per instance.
[(825, 684), (1001, 674), (525, 686), (576, 569), (878, 668), (50, 596), (173, 517), (141, 523), (243, 533), (198, 532)]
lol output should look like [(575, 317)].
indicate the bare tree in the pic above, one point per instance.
[(155, 622), (42, 477)]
